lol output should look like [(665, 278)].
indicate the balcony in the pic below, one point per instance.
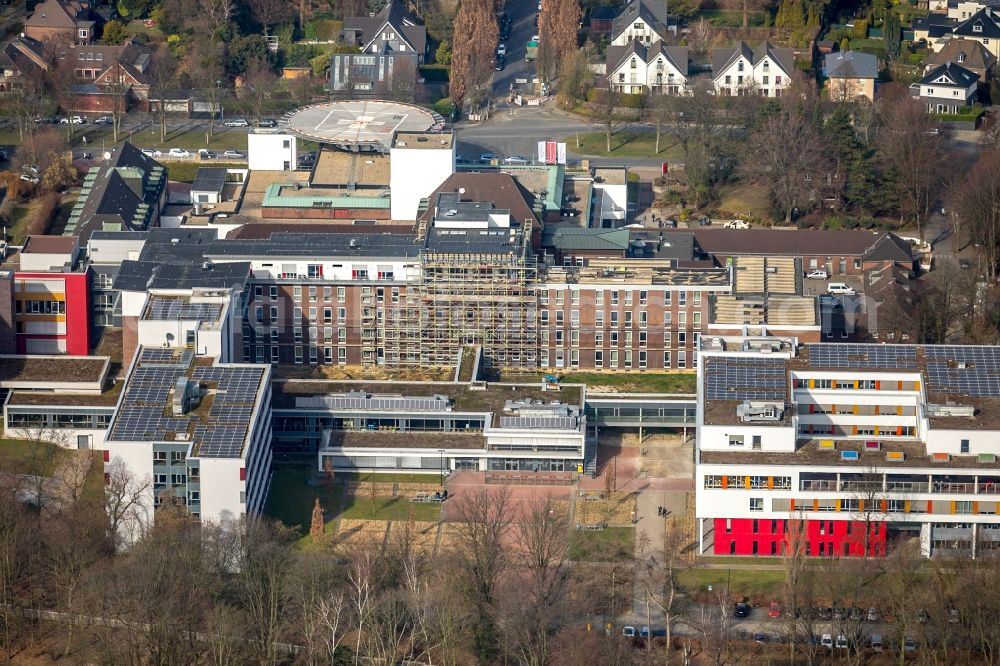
[(988, 488), (860, 486), (906, 487), (952, 487)]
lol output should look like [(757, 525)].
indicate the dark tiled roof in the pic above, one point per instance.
[(395, 14), (950, 74), (123, 193), (676, 55), (652, 12), (52, 14), (580, 238), (981, 24), (143, 275), (851, 65), (723, 58), (734, 242), (500, 189)]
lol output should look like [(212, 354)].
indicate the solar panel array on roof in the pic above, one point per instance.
[(539, 422), (963, 370), (175, 308), (881, 357), (742, 378), (218, 434)]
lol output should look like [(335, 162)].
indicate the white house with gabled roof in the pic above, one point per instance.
[(765, 70)]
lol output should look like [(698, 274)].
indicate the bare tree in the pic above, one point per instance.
[(784, 153), (799, 589), (264, 570), (259, 85), (868, 505), (162, 77), (483, 556), (607, 107), (117, 86), (535, 595), (911, 153), (127, 503), (270, 12), (362, 595)]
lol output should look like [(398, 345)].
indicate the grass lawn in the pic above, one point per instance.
[(18, 223), (185, 172), (360, 507), (291, 498), (624, 144), (191, 137), (742, 582), (612, 544), (741, 198), (18, 456), (731, 18), (626, 382)]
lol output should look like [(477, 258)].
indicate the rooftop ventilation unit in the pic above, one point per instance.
[(964, 411), (187, 396), (759, 412)]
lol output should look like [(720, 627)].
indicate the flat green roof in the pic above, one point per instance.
[(274, 199)]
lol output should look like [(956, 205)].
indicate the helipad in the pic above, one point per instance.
[(360, 125)]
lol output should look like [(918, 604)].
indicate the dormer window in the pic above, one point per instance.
[(961, 57), (977, 28), (637, 25), (83, 33)]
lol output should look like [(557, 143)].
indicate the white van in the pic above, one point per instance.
[(839, 288)]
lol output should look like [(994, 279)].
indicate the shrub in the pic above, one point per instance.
[(860, 29), (323, 29), (44, 213)]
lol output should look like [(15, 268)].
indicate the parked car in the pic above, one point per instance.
[(267, 122), (876, 643), (486, 158), (922, 616), (205, 154), (965, 264), (151, 152), (234, 155), (27, 177), (760, 637), (841, 643), (502, 49), (628, 631), (840, 288), (104, 120), (704, 222), (178, 152), (817, 274), (737, 224), (645, 632), (826, 640), (824, 613), (237, 122), (72, 120), (45, 120), (874, 615), (741, 610), (514, 159), (501, 61), (909, 645), (773, 610)]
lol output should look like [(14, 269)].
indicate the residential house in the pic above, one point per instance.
[(984, 27), (104, 72), (20, 58), (68, 21), (851, 75), (124, 193), (392, 30), (968, 53), (946, 88), (639, 68), (642, 21), (382, 76), (933, 29), (765, 70)]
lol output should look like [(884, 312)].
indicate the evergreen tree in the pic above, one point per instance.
[(890, 35)]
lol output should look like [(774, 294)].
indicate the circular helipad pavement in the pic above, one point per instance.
[(366, 124)]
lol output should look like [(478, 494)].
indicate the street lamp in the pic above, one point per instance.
[(441, 465)]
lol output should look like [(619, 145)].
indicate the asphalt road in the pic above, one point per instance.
[(522, 14)]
